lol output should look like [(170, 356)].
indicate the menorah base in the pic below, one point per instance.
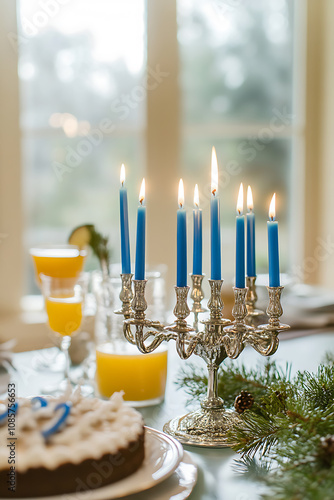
[(204, 427)]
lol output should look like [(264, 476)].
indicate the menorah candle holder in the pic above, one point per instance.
[(126, 296), (197, 295), (254, 315), (220, 339)]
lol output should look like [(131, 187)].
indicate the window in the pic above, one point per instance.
[(82, 67), (237, 85), (81, 70)]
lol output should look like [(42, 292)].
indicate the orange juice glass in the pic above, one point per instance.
[(121, 367), (64, 304), (64, 314), (58, 261)]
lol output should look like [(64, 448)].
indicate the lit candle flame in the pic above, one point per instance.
[(181, 193), (122, 176), (272, 208), (250, 204), (240, 202), (214, 172), (196, 196), (142, 192)]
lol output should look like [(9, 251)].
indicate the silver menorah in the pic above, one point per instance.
[(220, 339)]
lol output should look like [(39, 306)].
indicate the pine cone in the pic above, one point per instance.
[(243, 402), (326, 453)]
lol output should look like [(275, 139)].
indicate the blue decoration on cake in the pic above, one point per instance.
[(66, 410), (39, 402)]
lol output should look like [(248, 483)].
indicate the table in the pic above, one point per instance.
[(216, 479)]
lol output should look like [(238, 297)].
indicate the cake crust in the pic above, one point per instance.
[(76, 478)]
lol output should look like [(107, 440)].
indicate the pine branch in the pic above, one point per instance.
[(328, 359), (318, 388), (233, 378), (254, 434), (251, 468), (193, 380), (290, 427)]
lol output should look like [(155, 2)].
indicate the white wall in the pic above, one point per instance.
[(11, 257)]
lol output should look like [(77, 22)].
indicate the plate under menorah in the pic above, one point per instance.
[(220, 339)]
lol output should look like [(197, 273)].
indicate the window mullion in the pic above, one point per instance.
[(162, 135)]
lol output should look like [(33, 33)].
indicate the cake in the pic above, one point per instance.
[(69, 444)]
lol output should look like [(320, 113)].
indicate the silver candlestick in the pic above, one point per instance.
[(220, 339), (126, 296), (197, 295), (254, 315)]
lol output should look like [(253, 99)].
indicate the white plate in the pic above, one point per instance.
[(163, 454), (177, 487)]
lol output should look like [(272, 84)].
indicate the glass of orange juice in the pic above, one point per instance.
[(58, 261), (119, 365), (64, 304)]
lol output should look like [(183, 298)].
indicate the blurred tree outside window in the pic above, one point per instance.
[(81, 70), (236, 78)]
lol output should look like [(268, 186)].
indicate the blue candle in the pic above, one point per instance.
[(198, 239), (273, 251), (251, 265), (216, 272), (181, 277), (124, 221), (240, 243), (141, 238)]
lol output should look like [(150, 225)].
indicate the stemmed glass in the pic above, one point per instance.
[(59, 261), (64, 304)]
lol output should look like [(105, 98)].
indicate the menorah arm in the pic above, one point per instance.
[(233, 344), (264, 342), (140, 337), (264, 338), (185, 347), (128, 332)]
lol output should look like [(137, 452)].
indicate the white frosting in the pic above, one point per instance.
[(93, 428)]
